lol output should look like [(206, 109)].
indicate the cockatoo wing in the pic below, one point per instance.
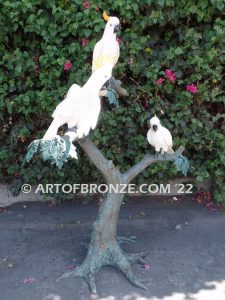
[(63, 107), (73, 89), (154, 139), (96, 54), (105, 52), (149, 138), (84, 115), (167, 138), (94, 112), (60, 114)]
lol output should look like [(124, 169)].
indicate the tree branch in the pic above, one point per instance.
[(147, 161), (99, 160)]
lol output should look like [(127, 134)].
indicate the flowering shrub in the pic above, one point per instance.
[(160, 80), (172, 63), (170, 75), (68, 65), (192, 88)]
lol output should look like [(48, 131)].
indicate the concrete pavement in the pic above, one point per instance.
[(186, 245)]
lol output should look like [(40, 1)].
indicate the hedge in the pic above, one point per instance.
[(172, 63)]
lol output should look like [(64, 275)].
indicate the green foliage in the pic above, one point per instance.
[(56, 151), (182, 164), (112, 98), (187, 37)]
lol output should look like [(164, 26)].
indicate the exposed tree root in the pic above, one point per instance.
[(121, 262), (136, 257), (85, 245), (121, 240), (126, 240), (112, 256)]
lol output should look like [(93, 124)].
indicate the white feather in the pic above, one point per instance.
[(81, 107), (107, 50), (161, 139)]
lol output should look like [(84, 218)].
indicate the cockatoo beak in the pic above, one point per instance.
[(155, 127), (117, 28)]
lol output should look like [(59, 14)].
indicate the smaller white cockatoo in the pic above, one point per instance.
[(159, 137), (107, 50), (80, 108)]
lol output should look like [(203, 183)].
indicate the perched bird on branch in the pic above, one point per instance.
[(107, 50), (159, 137), (80, 108)]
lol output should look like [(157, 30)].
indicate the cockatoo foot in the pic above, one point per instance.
[(157, 154), (166, 155), (66, 137), (163, 155), (109, 83)]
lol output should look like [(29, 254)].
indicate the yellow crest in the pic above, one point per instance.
[(105, 16)]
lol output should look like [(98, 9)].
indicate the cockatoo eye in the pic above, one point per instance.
[(110, 25), (106, 76)]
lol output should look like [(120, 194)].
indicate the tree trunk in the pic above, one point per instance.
[(104, 248)]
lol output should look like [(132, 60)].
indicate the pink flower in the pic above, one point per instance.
[(70, 268), (146, 104), (146, 267), (170, 75), (211, 206), (29, 280), (192, 88), (160, 81), (118, 40), (68, 65), (86, 4), (130, 61), (84, 41)]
